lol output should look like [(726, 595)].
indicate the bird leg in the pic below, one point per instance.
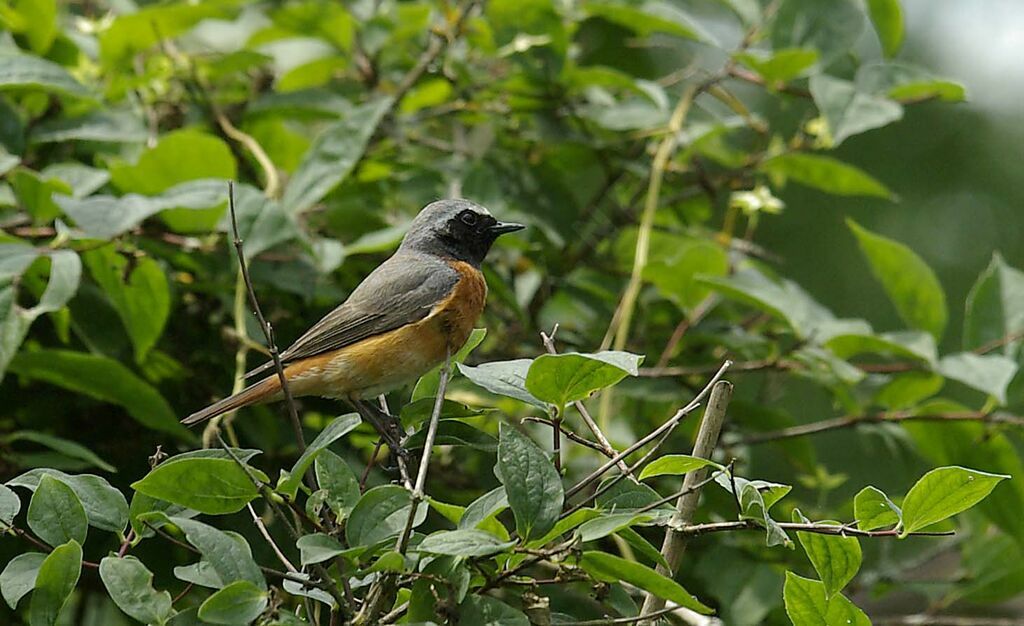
[(388, 427)]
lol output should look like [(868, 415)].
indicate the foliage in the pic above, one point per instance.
[(647, 145)]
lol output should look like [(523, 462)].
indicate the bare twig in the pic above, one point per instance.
[(926, 619), (696, 315), (570, 434), (266, 535), (674, 544), (27, 536), (812, 527)]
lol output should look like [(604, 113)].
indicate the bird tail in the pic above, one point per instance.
[(253, 394)]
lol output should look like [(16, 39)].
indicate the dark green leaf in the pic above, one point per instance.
[(484, 508), (533, 487), (506, 378), (318, 548), (832, 28), (334, 476), (55, 514), (650, 17), (381, 513), (130, 585), (564, 378), (910, 283), (22, 70), (241, 602), (784, 300), (825, 173), (836, 559), (230, 559), (465, 542), (781, 65), (10, 504), (487, 611), (19, 577), (104, 505), (609, 568), (64, 446), (807, 605), (57, 578), (338, 428), (212, 486), (944, 492), (605, 525)]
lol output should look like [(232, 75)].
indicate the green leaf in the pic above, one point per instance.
[(911, 344), (564, 378), (390, 561), (103, 379), (334, 476), (19, 71), (231, 559), (487, 611), (836, 559), (55, 514), (807, 605), (426, 386), (317, 548), (910, 283), (241, 602), (57, 578), (675, 464), (484, 508), (63, 446), (607, 524), (887, 16), (826, 174), (211, 486), (179, 156), (333, 155), (130, 585), (533, 487), (995, 307), (138, 291), (650, 17), (676, 276), (873, 510), (19, 577), (138, 31), (451, 432), (609, 568), (38, 23), (465, 542), (505, 378), (381, 513), (109, 126), (989, 373), (10, 504), (780, 66), (338, 428), (944, 492), (104, 505), (262, 221), (848, 111), (831, 28)]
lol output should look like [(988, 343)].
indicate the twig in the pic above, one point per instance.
[(430, 54), (668, 425), (606, 445), (684, 491), (611, 621), (266, 535), (691, 320), (570, 434), (849, 421), (674, 544), (925, 619), (268, 330), (369, 464), (24, 534), (820, 529)]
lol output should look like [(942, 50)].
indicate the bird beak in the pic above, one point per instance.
[(500, 228)]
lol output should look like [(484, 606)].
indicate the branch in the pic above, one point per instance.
[(24, 534), (849, 421), (570, 434), (433, 50), (820, 529), (674, 544), (925, 619)]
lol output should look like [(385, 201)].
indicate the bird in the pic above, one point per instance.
[(406, 317)]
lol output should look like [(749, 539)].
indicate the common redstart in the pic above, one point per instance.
[(406, 317)]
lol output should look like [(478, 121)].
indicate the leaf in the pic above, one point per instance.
[(262, 222), (451, 432), (19, 577), (130, 585), (607, 524), (318, 547), (995, 307), (848, 111), (944, 492), (211, 486), (381, 513), (676, 276), (134, 32), (55, 513), (334, 476), (609, 568), (104, 505), (533, 487), (22, 70), (911, 344), (10, 504), (338, 428), (836, 559), (487, 611), (990, 373), (103, 379), (241, 602), (426, 386), (465, 542), (910, 283), (231, 559), (138, 291), (675, 464), (58, 575), (887, 16), (832, 28), (505, 378), (484, 508), (650, 17), (873, 510), (807, 605), (826, 174), (109, 126), (564, 378), (333, 155), (780, 66), (63, 446), (179, 156)]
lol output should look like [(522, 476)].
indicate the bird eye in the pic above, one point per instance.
[(468, 218)]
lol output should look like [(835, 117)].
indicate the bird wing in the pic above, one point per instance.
[(402, 290)]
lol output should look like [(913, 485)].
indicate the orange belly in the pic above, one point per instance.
[(389, 360)]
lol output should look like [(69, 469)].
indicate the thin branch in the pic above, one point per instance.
[(925, 619), (820, 529), (570, 434), (266, 535), (850, 421), (667, 426), (431, 53), (696, 315), (674, 544), (684, 491), (611, 621), (268, 330), (24, 534)]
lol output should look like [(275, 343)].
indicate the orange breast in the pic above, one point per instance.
[(389, 360)]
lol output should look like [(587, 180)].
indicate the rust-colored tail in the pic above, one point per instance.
[(253, 394)]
